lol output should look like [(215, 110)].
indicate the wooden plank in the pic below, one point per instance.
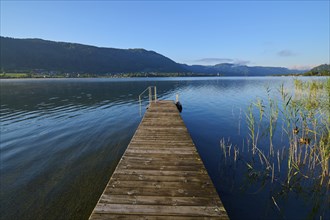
[(164, 156), (159, 209), (160, 151), (131, 161), (172, 160), (100, 216), (160, 200), (156, 191), (160, 175), (159, 185), (143, 166), (139, 177), (201, 173)]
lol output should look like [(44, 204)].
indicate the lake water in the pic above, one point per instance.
[(61, 139)]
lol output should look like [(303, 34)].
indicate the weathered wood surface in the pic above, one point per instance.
[(160, 175)]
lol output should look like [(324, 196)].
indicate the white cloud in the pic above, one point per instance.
[(214, 61), (286, 53), (242, 62), (302, 67)]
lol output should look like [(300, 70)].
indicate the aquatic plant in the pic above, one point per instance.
[(299, 122)]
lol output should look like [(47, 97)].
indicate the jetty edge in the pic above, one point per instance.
[(160, 175)]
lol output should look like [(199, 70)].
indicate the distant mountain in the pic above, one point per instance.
[(322, 70), (40, 56), (228, 69), (36, 54)]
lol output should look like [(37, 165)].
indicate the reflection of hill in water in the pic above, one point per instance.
[(47, 94), (62, 138), (64, 97)]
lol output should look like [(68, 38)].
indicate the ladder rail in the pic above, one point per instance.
[(152, 96)]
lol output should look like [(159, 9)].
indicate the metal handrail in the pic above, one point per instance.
[(149, 88)]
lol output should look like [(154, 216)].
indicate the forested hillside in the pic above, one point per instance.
[(21, 55), (58, 58)]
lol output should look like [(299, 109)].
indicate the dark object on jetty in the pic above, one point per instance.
[(179, 106)]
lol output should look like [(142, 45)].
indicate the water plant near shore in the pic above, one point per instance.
[(288, 144)]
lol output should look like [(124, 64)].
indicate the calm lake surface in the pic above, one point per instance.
[(61, 139)]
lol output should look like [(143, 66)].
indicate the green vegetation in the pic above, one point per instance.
[(14, 75), (301, 118), (322, 70), (77, 75)]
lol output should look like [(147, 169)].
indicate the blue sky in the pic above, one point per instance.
[(292, 34)]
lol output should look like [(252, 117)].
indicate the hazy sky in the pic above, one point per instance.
[(265, 33)]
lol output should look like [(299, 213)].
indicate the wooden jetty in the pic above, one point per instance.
[(160, 175)]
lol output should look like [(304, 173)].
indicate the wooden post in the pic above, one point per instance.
[(155, 93), (176, 98), (140, 106), (150, 95)]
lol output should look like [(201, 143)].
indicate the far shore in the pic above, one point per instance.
[(126, 75)]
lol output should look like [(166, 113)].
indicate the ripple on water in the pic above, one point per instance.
[(60, 145)]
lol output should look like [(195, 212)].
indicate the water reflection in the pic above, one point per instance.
[(61, 139)]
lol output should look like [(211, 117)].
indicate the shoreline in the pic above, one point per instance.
[(20, 76)]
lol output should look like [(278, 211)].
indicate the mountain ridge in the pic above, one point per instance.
[(38, 55), (34, 54)]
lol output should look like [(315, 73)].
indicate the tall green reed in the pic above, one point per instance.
[(303, 117)]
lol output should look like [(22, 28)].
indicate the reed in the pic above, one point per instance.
[(303, 117)]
